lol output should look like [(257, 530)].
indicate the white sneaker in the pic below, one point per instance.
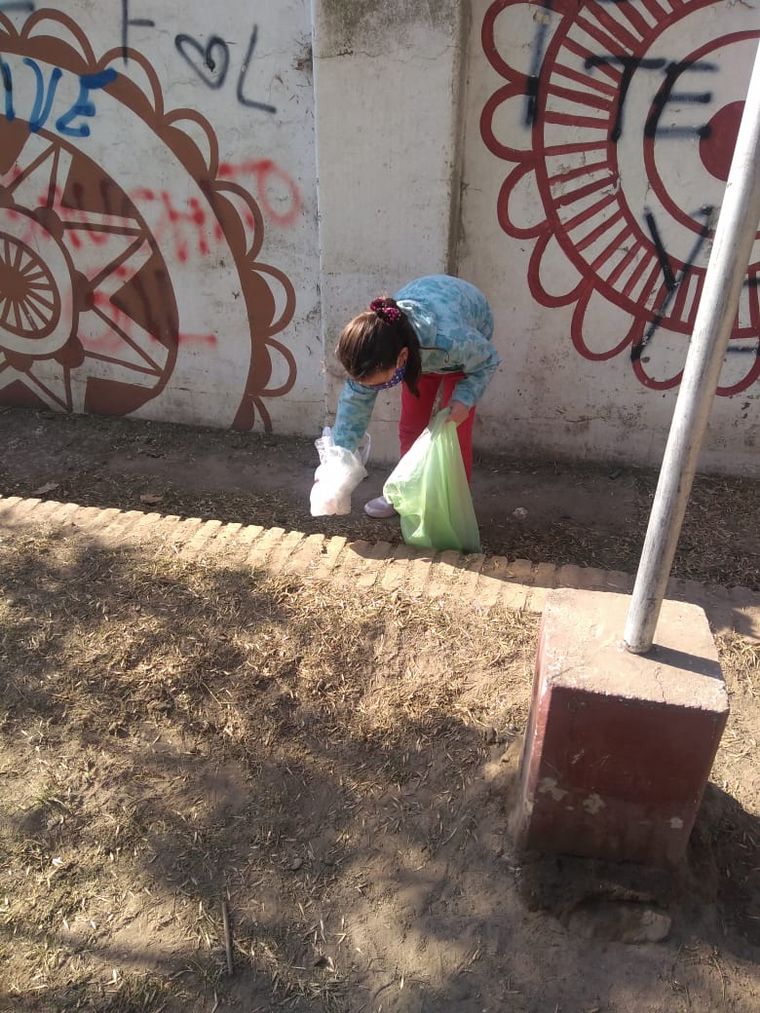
[(379, 508)]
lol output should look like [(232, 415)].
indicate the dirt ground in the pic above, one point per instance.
[(587, 515), (174, 735)]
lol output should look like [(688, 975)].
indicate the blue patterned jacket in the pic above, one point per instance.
[(454, 324)]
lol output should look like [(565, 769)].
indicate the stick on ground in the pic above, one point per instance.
[(227, 936)]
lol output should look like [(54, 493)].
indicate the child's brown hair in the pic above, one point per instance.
[(374, 339)]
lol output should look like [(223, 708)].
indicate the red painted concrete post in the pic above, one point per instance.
[(619, 746)]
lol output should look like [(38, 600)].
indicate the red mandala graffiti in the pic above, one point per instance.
[(119, 244), (622, 135)]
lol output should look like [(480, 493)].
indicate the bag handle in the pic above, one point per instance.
[(363, 452)]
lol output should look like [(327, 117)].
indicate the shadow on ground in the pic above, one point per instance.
[(338, 768)]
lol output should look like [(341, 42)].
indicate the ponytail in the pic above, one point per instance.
[(374, 339)]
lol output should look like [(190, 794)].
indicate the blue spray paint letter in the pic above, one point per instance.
[(5, 70), (43, 101), (83, 106)]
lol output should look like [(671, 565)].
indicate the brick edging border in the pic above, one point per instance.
[(481, 579)]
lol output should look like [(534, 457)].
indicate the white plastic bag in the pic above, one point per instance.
[(338, 474)]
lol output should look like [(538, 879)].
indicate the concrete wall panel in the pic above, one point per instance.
[(195, 199), (158, 242), (598, 142)]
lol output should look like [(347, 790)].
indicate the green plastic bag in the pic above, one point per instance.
[(429, 488)]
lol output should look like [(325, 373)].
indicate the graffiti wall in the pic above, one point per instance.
[(162, 166), (599, 138), (158, 211)]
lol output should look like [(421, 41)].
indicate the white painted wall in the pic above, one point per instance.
[(249, 258), (549, 396), (388, 95), (193, 254)]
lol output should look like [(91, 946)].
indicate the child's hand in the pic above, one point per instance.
[(459, 412)]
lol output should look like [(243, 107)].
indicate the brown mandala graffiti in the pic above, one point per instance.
[(130, 279)]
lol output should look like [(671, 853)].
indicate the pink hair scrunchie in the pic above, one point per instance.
[(388, 314)]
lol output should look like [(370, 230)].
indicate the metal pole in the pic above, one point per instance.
[(732, 247)]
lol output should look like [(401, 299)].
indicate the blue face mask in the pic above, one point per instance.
[(394, 381)]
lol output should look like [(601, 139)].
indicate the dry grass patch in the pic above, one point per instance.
[(172, 733), (740, 656), (335, 765)]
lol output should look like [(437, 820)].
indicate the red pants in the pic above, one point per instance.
[(416, 412)]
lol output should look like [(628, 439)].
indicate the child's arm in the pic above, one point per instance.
[(479, 360), (355, 406)]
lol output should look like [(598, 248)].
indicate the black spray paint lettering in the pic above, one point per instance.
[(672, 282), (44, 96), (734, 349), (244, 73), (126, 23), (210, 59), (23, 6), (629, 64), (662, 254), (665, 93), (534, 78), (211, 63)]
